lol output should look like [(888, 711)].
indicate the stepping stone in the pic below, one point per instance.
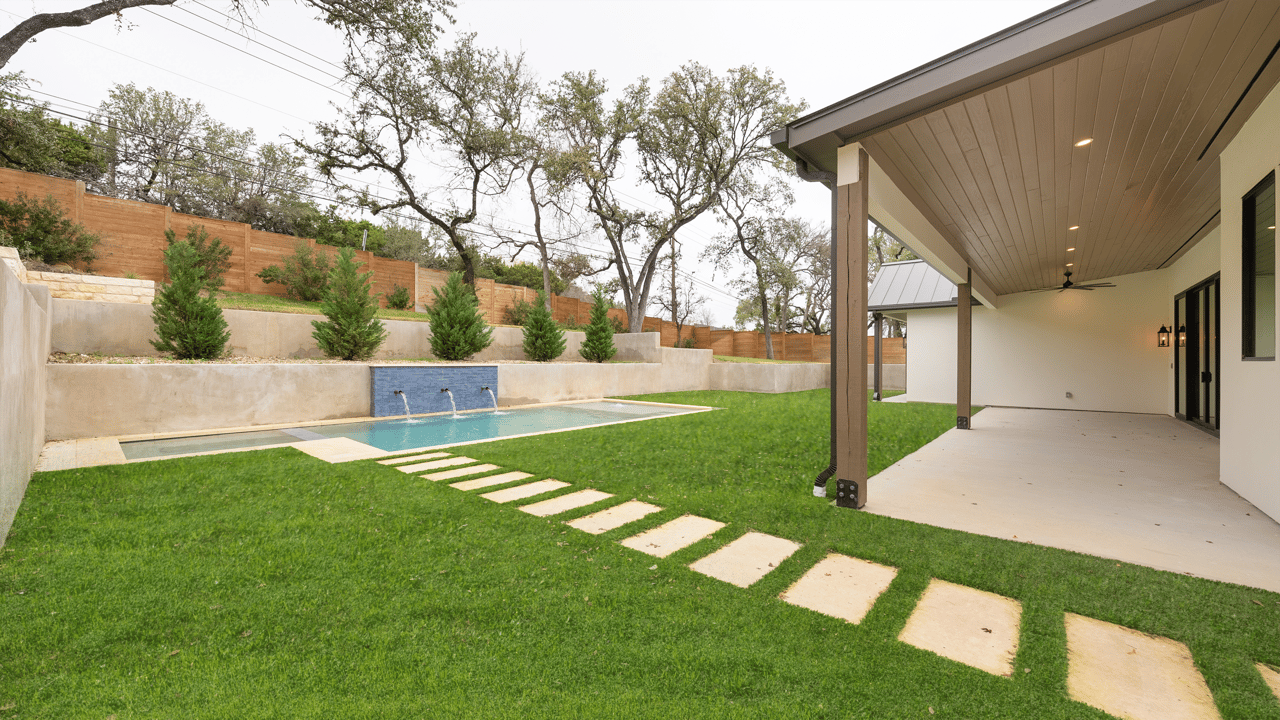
[(1133, 675), (491, 480), (461, 472), (435, 464), (977, 628), (675, 535), (747, 559), (412, 458), (521, 492), (564, 503), (1272, 678), (340, 450), (614, 517), (841, 586)]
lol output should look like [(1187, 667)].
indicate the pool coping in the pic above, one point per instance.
[(103, 454)]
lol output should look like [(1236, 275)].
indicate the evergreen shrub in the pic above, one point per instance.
[(598, 346), (188, 325), (543, 339), (305, 274), (458, 331), (351, 332)]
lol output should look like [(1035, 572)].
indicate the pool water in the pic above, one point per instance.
[(424, 432)]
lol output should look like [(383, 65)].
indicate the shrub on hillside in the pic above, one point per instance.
[(305, 274), (399, 298), (543, 339), (518, 313), (598, 346), (40, 230), (213, 259), (351, 332), (188, 325), (458, 331)]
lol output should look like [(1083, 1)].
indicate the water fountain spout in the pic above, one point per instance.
[(405, 398), (491, 395), (451, 402)]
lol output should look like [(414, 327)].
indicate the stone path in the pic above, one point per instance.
[(1120, 671)]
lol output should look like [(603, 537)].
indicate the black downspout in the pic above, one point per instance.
[(828, 179)]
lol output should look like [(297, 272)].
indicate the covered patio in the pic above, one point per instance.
[(1136, 488)]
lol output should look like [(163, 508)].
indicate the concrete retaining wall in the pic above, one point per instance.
[(108, 328), (680, 369), (111, 400), (760, 377), (24, 345)]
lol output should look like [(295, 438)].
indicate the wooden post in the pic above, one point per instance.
[(849, 343), (964, 350), (878, 325)]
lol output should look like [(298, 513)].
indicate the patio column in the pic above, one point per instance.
[(878, 325), (849, 341), (964, 350)]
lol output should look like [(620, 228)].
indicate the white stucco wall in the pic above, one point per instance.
[(1100, 346), (1250, 462)]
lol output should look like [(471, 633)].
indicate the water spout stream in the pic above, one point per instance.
[(496, 411), (452, 404)]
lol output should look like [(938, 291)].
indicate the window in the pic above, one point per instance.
[(1259, 265)]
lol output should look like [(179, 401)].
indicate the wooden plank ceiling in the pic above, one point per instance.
[(1001, 174)]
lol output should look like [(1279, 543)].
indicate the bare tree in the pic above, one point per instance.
[(382, 22), (463, 108), (690, 139), (683, 303)]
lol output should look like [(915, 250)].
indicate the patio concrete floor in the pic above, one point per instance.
[(1141, 489)]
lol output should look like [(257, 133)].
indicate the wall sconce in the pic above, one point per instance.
[(1162, 337), (1182, 336)]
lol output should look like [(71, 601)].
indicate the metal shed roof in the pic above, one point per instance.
[(908, 285)]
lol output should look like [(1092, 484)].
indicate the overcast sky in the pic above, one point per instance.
[(825, 50)]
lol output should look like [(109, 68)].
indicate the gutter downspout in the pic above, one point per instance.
[(828, 179)]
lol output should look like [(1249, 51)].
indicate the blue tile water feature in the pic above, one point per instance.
[(421, 385)]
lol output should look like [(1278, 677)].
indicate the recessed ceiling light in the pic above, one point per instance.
[(1085, 141), (1070, 249), (1074, 227)]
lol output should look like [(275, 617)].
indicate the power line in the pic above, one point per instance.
[(164, 69), (246, 52), (262, 32)]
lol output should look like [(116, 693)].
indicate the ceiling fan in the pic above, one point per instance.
[(1068, 285)]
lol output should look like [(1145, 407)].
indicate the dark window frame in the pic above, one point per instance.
[(1248, 266)]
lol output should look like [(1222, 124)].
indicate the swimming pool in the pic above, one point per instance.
[(421, 432)]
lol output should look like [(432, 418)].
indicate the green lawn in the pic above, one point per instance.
[(269, 584), (271, 303)]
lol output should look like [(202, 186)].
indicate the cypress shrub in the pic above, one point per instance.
[(598, 347), (213, 258), (543, 339), (188, 325), (351, 332), (457, 329)]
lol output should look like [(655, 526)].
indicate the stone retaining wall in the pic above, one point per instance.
[(92, 287)]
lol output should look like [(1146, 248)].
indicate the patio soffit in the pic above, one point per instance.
[(1160, 86)]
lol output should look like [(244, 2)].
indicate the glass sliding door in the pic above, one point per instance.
[(1196, 353)]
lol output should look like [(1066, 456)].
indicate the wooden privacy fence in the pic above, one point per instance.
[(133, 243)]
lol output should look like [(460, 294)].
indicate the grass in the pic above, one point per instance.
[(272, 303), (271, 584), (735, 359)]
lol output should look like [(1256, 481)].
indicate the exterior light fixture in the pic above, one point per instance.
[(1070, 264), (1071, 249), (1162, 337), (1182, 336), (1074, 227), (1083, 142)]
